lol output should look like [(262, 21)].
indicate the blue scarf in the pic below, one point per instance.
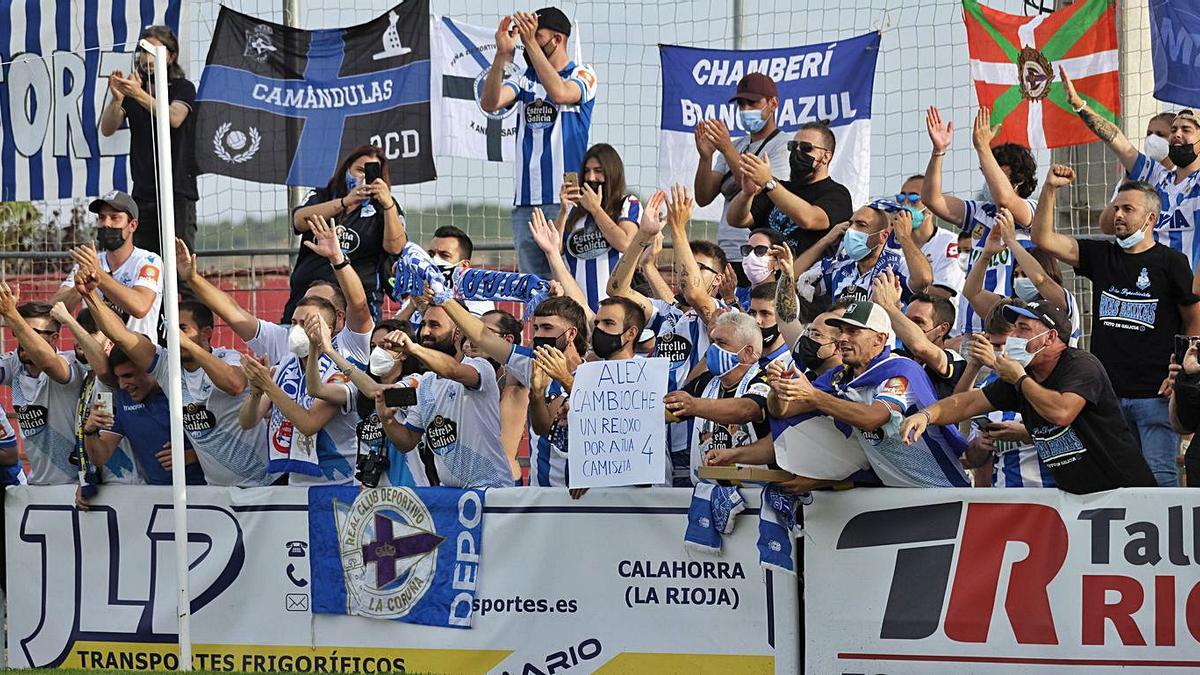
[(476, 283), (413, 272), (712, 512)]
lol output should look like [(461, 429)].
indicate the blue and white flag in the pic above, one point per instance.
[(409, 554), (284, 105), (462, 55), (1175, 46), (832, 82), (56, 58)]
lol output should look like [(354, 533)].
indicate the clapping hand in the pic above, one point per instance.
[(755, 169), (318, 334), (553, 363), (258, 373)]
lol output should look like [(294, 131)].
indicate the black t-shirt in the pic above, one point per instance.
[(1135, 308), (1096, 451), (826, 194), (142, 160), (756, 390), (362, 242), (943, 387)]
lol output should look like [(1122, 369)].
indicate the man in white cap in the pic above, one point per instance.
[(872, 391)]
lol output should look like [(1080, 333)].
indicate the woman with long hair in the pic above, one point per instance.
[(597, 220), (369, 221)]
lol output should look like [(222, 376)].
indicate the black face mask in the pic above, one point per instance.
[(806, 353), (770, 335), (110, 238), (802, 166), (596, 187), (542, 48), (606, 344), (559, 343), (1182, 155)]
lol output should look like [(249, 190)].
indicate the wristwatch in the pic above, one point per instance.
[(770, 185)]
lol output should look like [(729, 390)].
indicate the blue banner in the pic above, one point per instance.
[(833, 81), (396, 553), (1175, 45), (55, 61), (284, 105)]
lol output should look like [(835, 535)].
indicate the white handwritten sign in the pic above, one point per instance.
[(616, 430)]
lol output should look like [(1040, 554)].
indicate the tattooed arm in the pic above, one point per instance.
[(786, 309), (1104, 129)]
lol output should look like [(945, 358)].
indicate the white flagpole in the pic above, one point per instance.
[(173, 385)]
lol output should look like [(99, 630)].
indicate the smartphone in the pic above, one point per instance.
[(982, 423), (571, 178), (104, 400), (371, 171), (1182, 343), (399, 397)]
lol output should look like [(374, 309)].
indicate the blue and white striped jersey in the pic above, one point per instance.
[(682, 337), (1180, 204), (547, 454), (551, 138), (977, 222), (841, 278), (590, 257)]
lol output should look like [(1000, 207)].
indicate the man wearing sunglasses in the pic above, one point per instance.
[(717, 172), (804, 206), (939, 245), (45, 387)]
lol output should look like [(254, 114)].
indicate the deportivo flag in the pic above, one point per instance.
[(1175, 44), (833, 82), (284, 105), (462, 56), (396, 553), (1015, 62)]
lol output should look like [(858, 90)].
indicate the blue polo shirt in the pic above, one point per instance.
[(147, 427)]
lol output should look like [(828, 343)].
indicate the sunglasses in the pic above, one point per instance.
[(803, 146), (909, 197), (706, 268), (759, 250)]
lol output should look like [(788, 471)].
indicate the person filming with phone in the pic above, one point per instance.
[(369, 223)]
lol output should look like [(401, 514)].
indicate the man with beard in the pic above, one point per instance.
[(1178, 188), (457, 415), (128, 278), (45, 386), (804, 206)]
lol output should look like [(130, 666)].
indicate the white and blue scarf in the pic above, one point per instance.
[(712, 512)]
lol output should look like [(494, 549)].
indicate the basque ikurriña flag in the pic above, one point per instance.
[(284, 105), (407, 554), (1015, 62)]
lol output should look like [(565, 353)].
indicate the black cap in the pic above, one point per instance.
[(1050, 314), (117, 200), (754, 87), (552, 18)]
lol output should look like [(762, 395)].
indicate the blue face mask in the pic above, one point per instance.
[(854, 244), (351, 182), (918, 216), (720, 361), (1132, 240), (752, 120), (1016, 348)]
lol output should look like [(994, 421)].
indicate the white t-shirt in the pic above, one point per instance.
[(461, 427), (46, 416), (142, 269), (942, 253), (336, 445), (230, 456), (731, 238), (272, 340)]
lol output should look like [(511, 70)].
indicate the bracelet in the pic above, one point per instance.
[(342, 202), (393, 206), (939, 154), (1020, 380), (928, 417), (341, 265)]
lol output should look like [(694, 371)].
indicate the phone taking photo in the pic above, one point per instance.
[(104, 401), (571, 178), (371, 171), (400, 397)]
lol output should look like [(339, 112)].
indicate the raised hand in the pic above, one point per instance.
[(1073, 96), (940, 133), (983, 133), (114, 85), (86, 280), (1007, 226), (185, 261), (902, 225), (527, 29), (704, 146), (885, 289), (86, 256), (506, 42), (318, 334), (325, 237), (717, 134), (399, 342), (784, 262), (258, 373), (679, 209), (60, 313), (755, 169), (10, 297), (1060, 175), (994, 243), (545, 234), (553, 363), (650, 221)]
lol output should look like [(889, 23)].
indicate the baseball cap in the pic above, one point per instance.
[(552, 18), (1050, 314), (755, 87), (886, 205), (864, 314), (117, 200)]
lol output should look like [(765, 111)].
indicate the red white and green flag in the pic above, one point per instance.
[(1015, 62)]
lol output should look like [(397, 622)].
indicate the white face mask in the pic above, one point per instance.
[(1156, 147), (757, 269), (1025, 289), (381, 362), (298, 341), (1016, 348)]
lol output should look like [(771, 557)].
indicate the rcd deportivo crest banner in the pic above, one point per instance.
[(284, 105)]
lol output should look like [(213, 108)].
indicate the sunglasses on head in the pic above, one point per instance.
[(908, 197), (759, 250), (802, 146)]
